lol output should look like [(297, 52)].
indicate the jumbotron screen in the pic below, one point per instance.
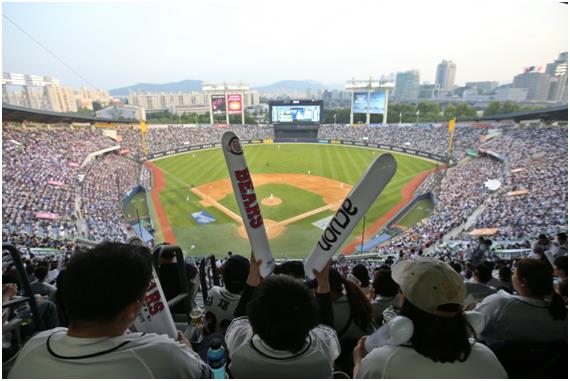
[(296, 112)]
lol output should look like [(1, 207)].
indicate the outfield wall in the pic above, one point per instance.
[(413, 152)]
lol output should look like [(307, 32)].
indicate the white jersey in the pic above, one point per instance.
[(252, 358), (221, 304), (516, 318), (404, 362), (54, 354)]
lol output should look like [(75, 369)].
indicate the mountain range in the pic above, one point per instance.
[(189, 85)]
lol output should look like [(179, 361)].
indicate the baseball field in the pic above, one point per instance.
[(299, 186)]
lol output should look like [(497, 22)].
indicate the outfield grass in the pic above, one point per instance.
[(342, 163), (421, 210)]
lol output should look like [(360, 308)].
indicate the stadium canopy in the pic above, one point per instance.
[(11, 113), (558, 113)]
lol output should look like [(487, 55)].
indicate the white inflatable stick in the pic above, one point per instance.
[(353, 208), (247, 201)]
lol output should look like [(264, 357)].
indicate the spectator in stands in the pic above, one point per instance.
[(440, 346), (352, 312), (42, 287), (505, 279), (222, 301), (536, 314), (104, 290), (360, 272), (294, 269), (170, 281), (561, 267), (477, 289), (386, 293), (542, 244), (281, 336), (562, 241)]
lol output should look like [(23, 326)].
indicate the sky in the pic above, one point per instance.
[(261, 41)]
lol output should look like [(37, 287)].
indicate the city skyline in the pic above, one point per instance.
[(243, 45)]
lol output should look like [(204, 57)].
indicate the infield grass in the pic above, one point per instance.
[(343, 163)]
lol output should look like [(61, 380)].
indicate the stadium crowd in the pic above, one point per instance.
[(432, 138), (40, 166), (106, 182), (537, 167), (461, 316)]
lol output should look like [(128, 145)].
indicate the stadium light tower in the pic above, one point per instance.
[(368, 97), (228, 98)]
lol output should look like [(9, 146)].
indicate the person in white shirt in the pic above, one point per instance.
[(222, 301), (104, 289), (441, 345), (537, 314), (281, 336)]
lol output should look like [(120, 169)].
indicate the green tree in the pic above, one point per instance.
[(428, 108), (494, 108)]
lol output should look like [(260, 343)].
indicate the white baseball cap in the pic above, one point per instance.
[(429, 283)]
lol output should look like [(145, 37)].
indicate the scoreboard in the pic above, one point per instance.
[(296, 112)]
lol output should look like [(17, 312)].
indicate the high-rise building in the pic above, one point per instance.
[(445, 75), (536, 83), (559, 66), (484, 87), (407, 84), (558, 88), (179, 103), (507, 93), (60, 99)]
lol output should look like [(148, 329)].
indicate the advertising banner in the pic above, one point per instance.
[(377, 103), (360, 104), (218, 104), (234, 104)]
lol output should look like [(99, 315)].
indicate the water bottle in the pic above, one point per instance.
[(217, 358)]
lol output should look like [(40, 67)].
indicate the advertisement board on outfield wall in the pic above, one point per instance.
[(428, 155)]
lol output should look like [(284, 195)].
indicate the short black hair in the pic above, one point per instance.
[(484, 271), (361, 273), (383, 283), (41, 272), (563, 237), (294, 269), (234, 273), (282, 312), (101, 282)]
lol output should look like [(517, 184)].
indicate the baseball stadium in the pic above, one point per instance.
[(375, 228)]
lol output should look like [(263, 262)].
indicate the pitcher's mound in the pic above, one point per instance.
[(271, 201), (273, 229)]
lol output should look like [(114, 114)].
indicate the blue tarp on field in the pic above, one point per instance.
[(374, 242)]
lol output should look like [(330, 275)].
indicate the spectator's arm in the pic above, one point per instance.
[(324, 296)]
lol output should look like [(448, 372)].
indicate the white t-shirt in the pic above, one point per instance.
[(516, 318), (54, 354), (222, 304), (252, 358), (404, 362)]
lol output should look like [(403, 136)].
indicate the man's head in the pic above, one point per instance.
[(106, 283), (484, 272), (282, 312), (234, 273), (167, 256), (562, 238), (41, 273), (543, 239)]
